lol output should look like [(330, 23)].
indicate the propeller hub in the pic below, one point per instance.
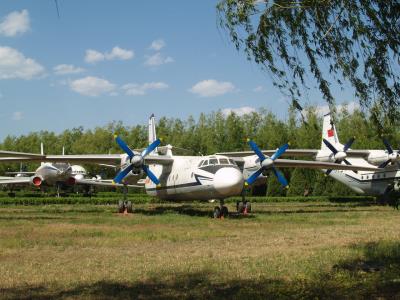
[(340, 156), (267, 163), (393, 157), (137, 160)]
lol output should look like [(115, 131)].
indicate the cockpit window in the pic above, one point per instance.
[(200, 164), (223, 161), (232, 162), (213, 161), (205, 163)]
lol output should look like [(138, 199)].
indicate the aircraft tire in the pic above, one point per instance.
[(240, 207), (217, 212), (121, 206), (248, 207), (224, 211), (129, 208)]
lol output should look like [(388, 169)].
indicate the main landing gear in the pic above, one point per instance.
[(243, 207), (220, 211), (125, 206)]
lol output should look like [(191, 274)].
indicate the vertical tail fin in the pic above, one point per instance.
[(329, 132), (41, 152), (152, 131)]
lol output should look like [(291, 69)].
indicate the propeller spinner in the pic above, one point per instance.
[(392, 156), (136, 160), (267, 163), (339, 156)]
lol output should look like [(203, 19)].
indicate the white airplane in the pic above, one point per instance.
[(59, 174), (383, 182), (172, 177)]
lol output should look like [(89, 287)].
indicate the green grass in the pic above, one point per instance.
[(164, 251)]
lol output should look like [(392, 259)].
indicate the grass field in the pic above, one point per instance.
[(164, 251)]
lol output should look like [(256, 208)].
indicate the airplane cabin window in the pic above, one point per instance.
[(213, 161), (223, 161)]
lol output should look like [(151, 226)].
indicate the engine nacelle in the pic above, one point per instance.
[(396, 186), (37, 181), (71, 181)]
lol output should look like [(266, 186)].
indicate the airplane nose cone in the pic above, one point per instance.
[(228, 182)]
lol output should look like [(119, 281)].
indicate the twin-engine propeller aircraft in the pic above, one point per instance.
[(383, 182), (172, 177)]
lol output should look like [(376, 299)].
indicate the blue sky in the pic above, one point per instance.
[(122, 60)]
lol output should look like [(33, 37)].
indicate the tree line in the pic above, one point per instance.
[(218, 132)]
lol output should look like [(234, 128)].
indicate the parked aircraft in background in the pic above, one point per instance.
[(172, 177), (383, 182), (59, 174)]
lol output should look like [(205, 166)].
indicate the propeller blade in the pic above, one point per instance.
[(348, 144), (383, 165), (121, 175), (347, 162), (280, 177), (124, 146), (254, 176), (150, 174), (328, 172), (280, 151), (388, 146), (256, 150), (151, 147), (330, 146)]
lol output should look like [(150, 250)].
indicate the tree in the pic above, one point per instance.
[(338, 40)]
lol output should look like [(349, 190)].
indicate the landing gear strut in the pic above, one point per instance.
[(243, 207), (220, 211), (125, 206)]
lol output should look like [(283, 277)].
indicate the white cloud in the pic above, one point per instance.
[(133, 89), (157, 60), (15, 23), (92, 86), (258, 89), (64, 69), (119, 53), (93, 56), (13, 64), (212, 88), (240, 111), (17, 116), (351, 107), (157, 45)]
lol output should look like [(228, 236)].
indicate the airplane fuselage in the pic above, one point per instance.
[(196, 178)]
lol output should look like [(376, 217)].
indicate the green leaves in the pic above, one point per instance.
[(351, 41)]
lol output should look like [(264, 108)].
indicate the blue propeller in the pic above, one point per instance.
[(267, 163), (392, 156), (136, 160), (339, 156)]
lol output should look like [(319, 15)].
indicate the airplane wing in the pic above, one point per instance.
[(19, 154), (288, 153), (109, 159), (15, 180), (105, 182), (295, 153), (288, 163)]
